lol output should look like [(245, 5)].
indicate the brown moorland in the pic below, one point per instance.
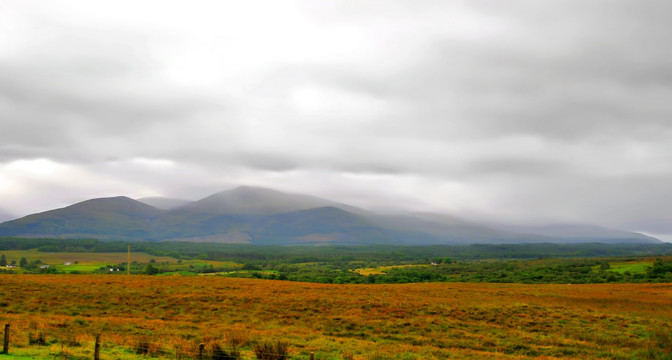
[(172, 315)]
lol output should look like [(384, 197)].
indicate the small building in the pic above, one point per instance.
[(67, 263), (44, 266)]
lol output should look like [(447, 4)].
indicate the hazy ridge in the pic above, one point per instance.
[(266, 216)]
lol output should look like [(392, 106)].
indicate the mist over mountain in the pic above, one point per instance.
[(6, 216), (442, 229), (163, 203), (265, 216), (572, 233), (248, 200)]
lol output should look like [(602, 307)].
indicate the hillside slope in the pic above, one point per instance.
[(104, 218)]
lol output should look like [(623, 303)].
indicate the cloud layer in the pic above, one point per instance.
[(525, 111)]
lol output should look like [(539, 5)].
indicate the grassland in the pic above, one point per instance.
[(634, 267), (379, 270), (81, 261), (88, 262), (82, 257), (171, 315)]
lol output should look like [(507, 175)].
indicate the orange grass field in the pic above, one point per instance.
[(172, 315)]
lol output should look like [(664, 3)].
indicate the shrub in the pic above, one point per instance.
[(150, 270), (236, 339), (376, 356), (37, 339), (144, 346), (220, 354), (71, 340), (277, 350), (662, 337)]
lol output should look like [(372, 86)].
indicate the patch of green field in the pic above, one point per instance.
[(215, 263), (90, 267), (632, 267), (17, 357), (83, 262), (177, 273), (243, 273), (313, 263), (382, 269)]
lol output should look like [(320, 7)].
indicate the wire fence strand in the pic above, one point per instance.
[(269, 349)]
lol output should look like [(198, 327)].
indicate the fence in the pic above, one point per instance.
[(261, 351)]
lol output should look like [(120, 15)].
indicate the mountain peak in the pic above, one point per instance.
[(252, 188), (116, 218), (102, 201), (252, 200), (245, 190)]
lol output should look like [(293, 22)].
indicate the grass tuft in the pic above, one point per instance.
[(269, 350)]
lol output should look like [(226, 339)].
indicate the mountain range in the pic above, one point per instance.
[(265, 216)]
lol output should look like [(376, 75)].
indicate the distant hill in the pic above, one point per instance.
[(443, 229), (264, 216), (163, 203), (247, 200), (574, 233), (104, 218), (322, 225)]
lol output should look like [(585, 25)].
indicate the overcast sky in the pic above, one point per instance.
[(513, 111)]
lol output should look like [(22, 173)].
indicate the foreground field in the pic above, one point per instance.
[(169, 316)]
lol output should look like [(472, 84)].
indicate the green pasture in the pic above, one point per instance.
[(632, 267), (62, 351), (382, 269), (81, 261), (54, 258)]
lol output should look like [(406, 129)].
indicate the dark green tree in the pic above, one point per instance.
[(3, 260), (23, 262), (150, 270)]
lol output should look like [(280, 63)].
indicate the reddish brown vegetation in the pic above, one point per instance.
[(416, 321)]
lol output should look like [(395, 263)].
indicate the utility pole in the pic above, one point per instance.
[(128, 263)]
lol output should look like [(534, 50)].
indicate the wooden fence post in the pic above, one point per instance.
[(312, 356), (96, 351), (200, 351), (5, 347)]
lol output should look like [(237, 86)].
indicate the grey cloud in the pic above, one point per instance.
[(102, 85), (267, 162), (609, 66), (578, 80), (239, 158), (626, 202), (378, 168), (517, 166)]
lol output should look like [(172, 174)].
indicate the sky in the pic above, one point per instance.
[(527, 112)]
